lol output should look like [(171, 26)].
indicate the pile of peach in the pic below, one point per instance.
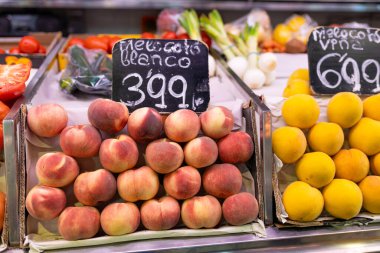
[(128, 189)]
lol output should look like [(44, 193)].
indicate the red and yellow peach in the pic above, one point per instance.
[(222, 180), (92, 188), (118, 155), (56, 169), (80, 222), (107, 115), (47, 120), (138, 184), (164, 156), (161, 214), (80, 141), (120, 218), (183, 183), (45, 203)]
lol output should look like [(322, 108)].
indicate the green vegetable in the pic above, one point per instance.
[(87, 71), (250, 37), (67, 84), (240, 43), (189, 21), (213, 25), (79, 60)]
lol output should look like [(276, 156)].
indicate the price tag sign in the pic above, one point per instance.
[(164, 74), (344, 59)]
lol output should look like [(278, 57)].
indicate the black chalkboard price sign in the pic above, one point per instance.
[(164, 74), (344, 59)]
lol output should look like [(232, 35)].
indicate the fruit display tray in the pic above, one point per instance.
[(48, 40), (283, 174), (43, 235)]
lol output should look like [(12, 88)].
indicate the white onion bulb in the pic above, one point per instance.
[(254, 78)]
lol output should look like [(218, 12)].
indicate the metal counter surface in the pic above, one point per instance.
[(326, 239)]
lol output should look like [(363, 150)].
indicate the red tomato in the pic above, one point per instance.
[(14, 50), (75, 41), (2, 51), (93, 42), (42, 50), (169, 36), (105, 39), (4, 109), (183, 36), (206, 39), (112, 42), (28, 45), (12, 80), (147, 35)]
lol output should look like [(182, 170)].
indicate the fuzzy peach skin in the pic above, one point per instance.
[(201, 212), (161, 214), (145, 125), (201, 152), (56, 169), (80, 141), (237, 147), (81, 222), (222, 180), (45, 203), (47, 120), (164, 156), (138, 184), (183, 183), (118, 155), (182, 125), (120, 218), (217, 122), (91, 188), (107, 115), (240, 209)]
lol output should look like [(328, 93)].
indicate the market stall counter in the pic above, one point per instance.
[(265, 168)]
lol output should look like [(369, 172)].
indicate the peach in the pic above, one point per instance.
[(56, 169), (91, 188), (80, 141), (120, 218), (161, 214), (45, 203), (47, 120), (79, 222), (164, 156), (222, 180), (217, 122), (118, 155), (107, 115), (138, 184), (240, 209), (201, 152), (183, 183), (201, 212), (145, 124), (237, 147), (182, 125)]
